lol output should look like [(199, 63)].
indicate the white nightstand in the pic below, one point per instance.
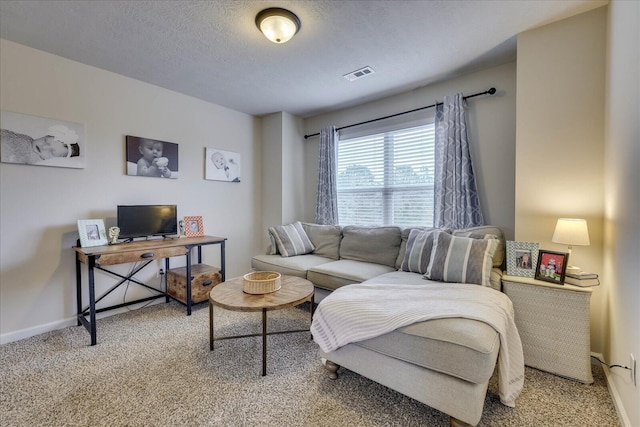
[(553, 322)]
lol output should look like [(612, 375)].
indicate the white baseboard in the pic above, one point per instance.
[(613, 391), (36, 330), (60, 324)]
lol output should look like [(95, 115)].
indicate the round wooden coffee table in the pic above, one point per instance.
[(229, 295)]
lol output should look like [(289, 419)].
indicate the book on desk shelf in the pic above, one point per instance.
[(582, 279)]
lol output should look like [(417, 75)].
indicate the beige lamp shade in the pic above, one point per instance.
[(571, 232)]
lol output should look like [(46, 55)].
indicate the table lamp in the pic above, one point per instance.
[(571, 231)]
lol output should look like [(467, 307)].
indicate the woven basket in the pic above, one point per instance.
[(261, 282)]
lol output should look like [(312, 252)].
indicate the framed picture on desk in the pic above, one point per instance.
[(92, 232), (193, 226)]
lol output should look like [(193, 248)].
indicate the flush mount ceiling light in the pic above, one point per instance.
[(278, 25)]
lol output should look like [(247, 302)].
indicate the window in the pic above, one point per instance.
[(387, 178)]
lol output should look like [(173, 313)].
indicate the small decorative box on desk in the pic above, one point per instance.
[(553, 323), (204, 278)]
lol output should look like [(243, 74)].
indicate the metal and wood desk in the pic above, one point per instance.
[(97, 257)]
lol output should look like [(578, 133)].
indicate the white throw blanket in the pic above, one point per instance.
[(361, 311)]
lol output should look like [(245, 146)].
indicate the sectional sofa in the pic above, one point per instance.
[(444, 363)]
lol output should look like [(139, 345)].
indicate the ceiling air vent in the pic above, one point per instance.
[(357, 74)]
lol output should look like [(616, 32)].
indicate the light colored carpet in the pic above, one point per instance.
[(153, 367)]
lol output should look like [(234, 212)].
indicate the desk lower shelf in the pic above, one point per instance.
[(203, 278)]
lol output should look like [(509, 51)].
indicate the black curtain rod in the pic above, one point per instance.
[(486, 92)]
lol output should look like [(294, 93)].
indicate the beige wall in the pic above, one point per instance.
[(271, 172), (560, 140), (293, 169), (575, 76), (622, 201), (491, 127), (282, 169), (40, 205)]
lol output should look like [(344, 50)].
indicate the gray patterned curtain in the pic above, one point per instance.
[(456, 198), (327, 195)]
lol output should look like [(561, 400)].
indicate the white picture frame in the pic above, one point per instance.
[(92, 232)]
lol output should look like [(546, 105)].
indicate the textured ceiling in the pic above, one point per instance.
[(212, 50)]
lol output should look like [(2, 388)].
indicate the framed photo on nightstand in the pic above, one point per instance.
[(522, 258), (551, 266)]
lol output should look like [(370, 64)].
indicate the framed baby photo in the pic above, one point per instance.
[(551, 266), (522, 258), (193, 226), (151, 157), (92, 232), (221, 165), (31, 140)]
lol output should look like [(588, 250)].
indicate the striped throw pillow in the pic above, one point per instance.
[(418, 251), (273, 247), (291, 239), (461, 259), (486, 232)]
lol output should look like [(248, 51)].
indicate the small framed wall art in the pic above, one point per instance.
[(31, 140), (522, 258), (222, 165), (193, 226), (551, 266), (92, 232), (150, 157)]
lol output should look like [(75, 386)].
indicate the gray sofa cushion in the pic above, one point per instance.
[(325, 238), (335, 274), (463, 348), (291, 239), (404, 277), (461, 259), (454, 340), (291, 266), (378, 245), (399, 277)]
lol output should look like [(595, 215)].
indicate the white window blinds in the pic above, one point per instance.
[(387, 178)]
